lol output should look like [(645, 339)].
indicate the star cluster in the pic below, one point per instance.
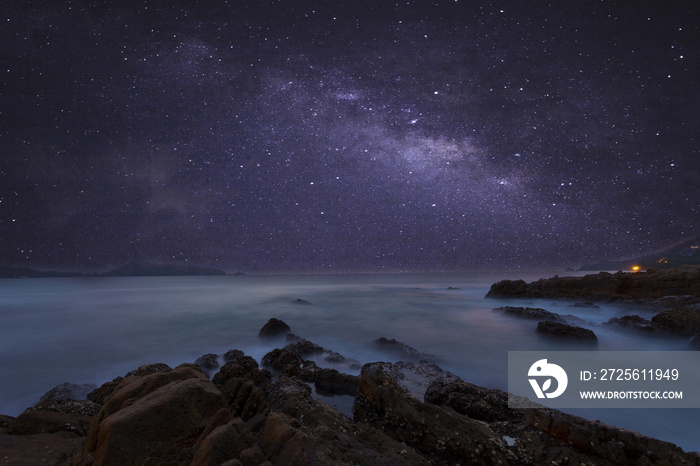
[(347, 136)]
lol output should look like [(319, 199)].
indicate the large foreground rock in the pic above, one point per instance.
[(156, 416), (405, 414)]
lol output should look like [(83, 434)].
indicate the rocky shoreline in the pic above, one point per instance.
[(245, 413), (229, 409), (672, 294)]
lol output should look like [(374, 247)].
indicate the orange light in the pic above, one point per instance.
[(635, 268)]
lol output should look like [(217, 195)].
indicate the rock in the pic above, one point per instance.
[(148, 369), (242, 367), (40, 449), (541, 436), (330, 382), (301, 301), (633, 322), (284, 361), (481, 404), (334, 358), (586, 304), (159, 423), (274, 328), (402, 350), (224, 443), (530, 313), (40, 421), (304, 348), (446, 436), (300, 430), (6, 421), (134, 387), (508, 289), (232, 355), (69, 391), (604, 286), (244, 398), (208, 362), (678, 321), (569, 332), (99, 394), (252, 456)]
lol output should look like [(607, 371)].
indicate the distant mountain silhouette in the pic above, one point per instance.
[(132, 269), (151, 269), (21, 272), (685, 253)]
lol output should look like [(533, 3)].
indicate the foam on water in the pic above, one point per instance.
[(92, 330)]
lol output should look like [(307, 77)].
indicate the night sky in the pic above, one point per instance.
[(347, 136)]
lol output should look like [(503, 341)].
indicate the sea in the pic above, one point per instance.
[(91, 330)]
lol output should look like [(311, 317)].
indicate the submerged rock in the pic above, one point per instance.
[(586, 304), (633, 322), (274, 328), (402, 350), (530, 313), (564, 331)]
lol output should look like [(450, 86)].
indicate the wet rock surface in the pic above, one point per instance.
[(563, 331), (604, 286), (404, 413), (401, 350), (674, 294), (535, 313), (274, 328)]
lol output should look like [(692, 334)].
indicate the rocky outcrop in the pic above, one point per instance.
[(50, 416), (401, 350), (631, 322), (675, 291), (158, 415), (547, 436), (436, 431), (679, 321), (69, 391), (604, 286), (404, 414), (564, 331), (534, 313), (274, 328), (208, 362)]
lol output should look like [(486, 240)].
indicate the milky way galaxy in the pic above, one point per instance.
[(347, 136)]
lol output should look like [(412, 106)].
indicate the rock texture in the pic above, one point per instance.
[(564, 331), (535, 313), (604, 286), (674, 292), (404, 414), (274, 328), (402, 350)]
